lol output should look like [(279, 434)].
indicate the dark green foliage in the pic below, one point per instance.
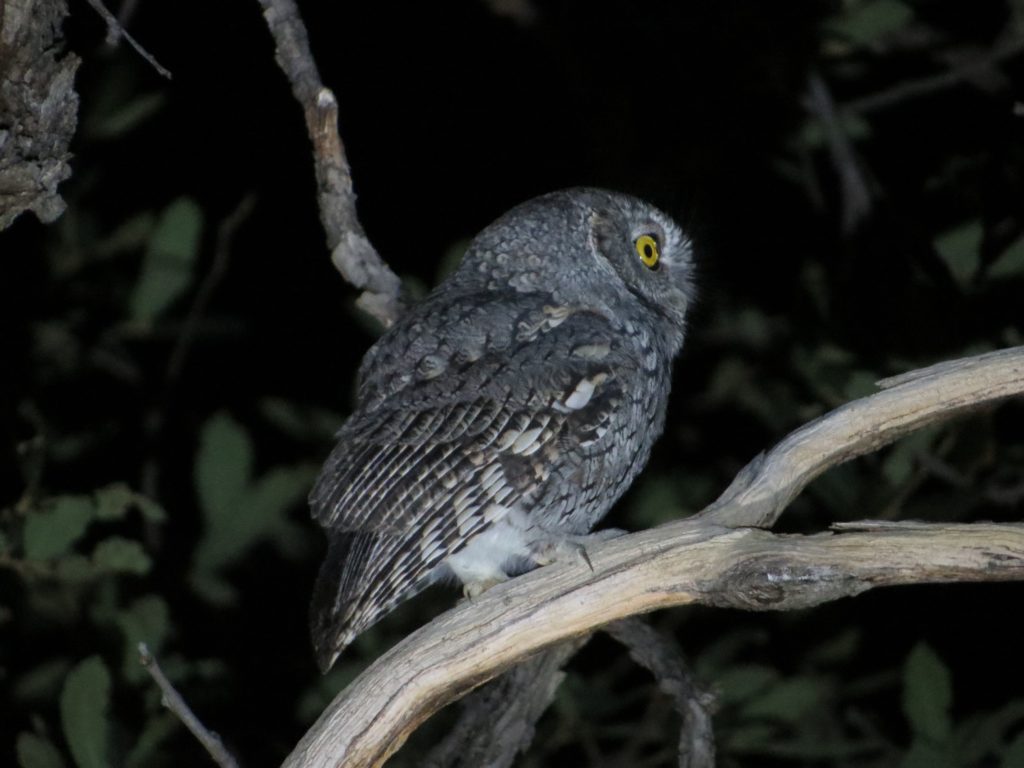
[(84, 705), (176, 360)]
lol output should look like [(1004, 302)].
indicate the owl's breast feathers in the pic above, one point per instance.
[(537, 410)]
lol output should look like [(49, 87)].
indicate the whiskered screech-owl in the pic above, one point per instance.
[(500, 419)]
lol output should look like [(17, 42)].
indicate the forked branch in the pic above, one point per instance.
[(720, 557)]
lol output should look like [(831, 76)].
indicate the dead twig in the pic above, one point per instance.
[(498, 721), (351, 251), (115, 31), (915, 89), (662, 659), (187, 335), (221, 258), (854, 197), (173, 701)]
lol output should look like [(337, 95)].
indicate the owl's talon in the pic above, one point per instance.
[(561, 548), (586, 558)]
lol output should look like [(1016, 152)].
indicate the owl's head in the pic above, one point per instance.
[(589, 245)]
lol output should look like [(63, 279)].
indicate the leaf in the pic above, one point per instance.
[(259, 513), (167, 263), (147, 620), (1014, 755), (128, 116), (1010, 262), (238, 513), (787, 701), (751, 737), (960, 248), (276, 492), (129, 236), (860, 383), (867, 23), (740, 683), (113, 501), (927, 694), (814, 136), (982, 734), (839, 492), (51, 532), (75, 568), (223, 467), (151, 510), (42, 682), (213, 588), (120, 555), (301, 422), (927, 754), (270, 500), (36, 752), (903, 457), (655, 500), (838, 648), (83, 711), (722, 657), (154, 734)]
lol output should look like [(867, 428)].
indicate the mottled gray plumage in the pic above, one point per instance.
[(501, 418)]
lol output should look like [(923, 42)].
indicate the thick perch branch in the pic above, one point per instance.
[(351, 251), (676, 564), (708, 559)]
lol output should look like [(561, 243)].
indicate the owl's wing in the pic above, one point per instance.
[(411, 482)]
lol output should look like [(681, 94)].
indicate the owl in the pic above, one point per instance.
[(499, 420)]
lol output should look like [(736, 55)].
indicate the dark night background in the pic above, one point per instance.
[(180, 336)]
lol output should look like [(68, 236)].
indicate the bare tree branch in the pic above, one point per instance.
[(854, 197), (660, 656), (497, 722), (351, 251), (913, 89), (703, 559), (115, 32), (766, 486), (226, 231), (681, 563), (173, 701), (522, 12)]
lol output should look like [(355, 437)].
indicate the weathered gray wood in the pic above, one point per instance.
[(710, 558), (38, 109)]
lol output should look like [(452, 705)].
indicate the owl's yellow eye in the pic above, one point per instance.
[(647, 249)]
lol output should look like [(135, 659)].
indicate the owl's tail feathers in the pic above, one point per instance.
[(335, 596), (355, 589)]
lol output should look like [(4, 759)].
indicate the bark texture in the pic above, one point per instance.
[(38, 108)]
